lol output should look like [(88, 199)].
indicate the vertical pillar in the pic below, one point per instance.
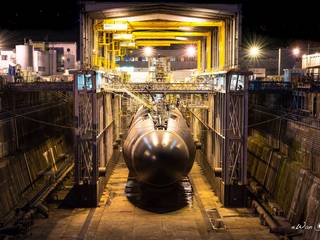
[(222, 46), (95, 121), (195, 127), (279, 63), (113, 57), (214, 49), (209, 133), (117, 113), (76, 131), (95, 49), (103, 161), (208, 52), (199, 56), (203, 55)]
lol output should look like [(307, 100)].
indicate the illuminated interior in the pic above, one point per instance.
[(113, 37)]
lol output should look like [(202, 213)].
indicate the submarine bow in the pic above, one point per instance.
[(159, 155)]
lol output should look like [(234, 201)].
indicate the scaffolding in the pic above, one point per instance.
[(227, 108), (94, 136), (225, 143)]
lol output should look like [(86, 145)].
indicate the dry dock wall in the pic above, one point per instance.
[(285, 160), (24, 174), (34, 147)]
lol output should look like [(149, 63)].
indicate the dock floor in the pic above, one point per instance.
[(117, 218)]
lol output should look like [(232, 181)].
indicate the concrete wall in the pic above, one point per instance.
[(34, 143), (288, 166), (22, 175)]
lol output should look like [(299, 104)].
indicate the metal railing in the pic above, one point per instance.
[(155, 87), (257, 85)]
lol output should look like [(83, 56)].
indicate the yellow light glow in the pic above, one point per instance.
[(191, 51), (122, 36), (115, 27), (148, 51)]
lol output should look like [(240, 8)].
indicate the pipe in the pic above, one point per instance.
[(262, 213), (273, 225)]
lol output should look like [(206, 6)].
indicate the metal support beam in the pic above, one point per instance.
[(199, 66), (208, 52), (171, 24), (147, 34), (91, 134), (162, 42), (226, 140), (222, 45)]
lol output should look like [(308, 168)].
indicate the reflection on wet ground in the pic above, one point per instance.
[(159, 200)]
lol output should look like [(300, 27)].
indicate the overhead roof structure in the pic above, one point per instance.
[(108, 29)]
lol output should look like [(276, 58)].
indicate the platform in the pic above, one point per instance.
[(116, 218)]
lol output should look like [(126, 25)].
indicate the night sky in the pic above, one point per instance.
[(58, 20)]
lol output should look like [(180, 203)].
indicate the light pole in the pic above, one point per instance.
[(279, 63)]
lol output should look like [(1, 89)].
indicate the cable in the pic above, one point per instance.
[(289, 119), (27, 113), (45, 123), (227, 129)]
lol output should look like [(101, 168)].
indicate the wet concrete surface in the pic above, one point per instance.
[(159, 200), (119, 217)]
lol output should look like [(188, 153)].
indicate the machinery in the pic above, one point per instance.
[(159, 150)]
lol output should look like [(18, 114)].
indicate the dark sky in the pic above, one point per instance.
[(279, 20)]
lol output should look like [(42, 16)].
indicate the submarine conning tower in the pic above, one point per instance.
[(159, 155)]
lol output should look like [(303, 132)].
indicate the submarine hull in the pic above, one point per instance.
[(159, 156)]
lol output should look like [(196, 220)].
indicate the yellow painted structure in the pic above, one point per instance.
[(106, 49)]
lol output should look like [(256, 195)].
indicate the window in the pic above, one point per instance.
[(219, 81), (233, 82), (4, 57), (88, 81), (237, 82), (241, 82), (80, 81)]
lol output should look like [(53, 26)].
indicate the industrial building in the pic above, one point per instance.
[(158, 133), (37, 59)]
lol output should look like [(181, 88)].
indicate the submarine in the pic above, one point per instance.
[(159, 149)]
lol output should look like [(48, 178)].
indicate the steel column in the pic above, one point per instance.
[(91, 130)]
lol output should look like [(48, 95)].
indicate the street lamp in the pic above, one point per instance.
[(254, 51), (296, 51)]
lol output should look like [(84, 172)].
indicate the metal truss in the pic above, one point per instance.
[(230, 107), (84, 122), (93, 130)]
